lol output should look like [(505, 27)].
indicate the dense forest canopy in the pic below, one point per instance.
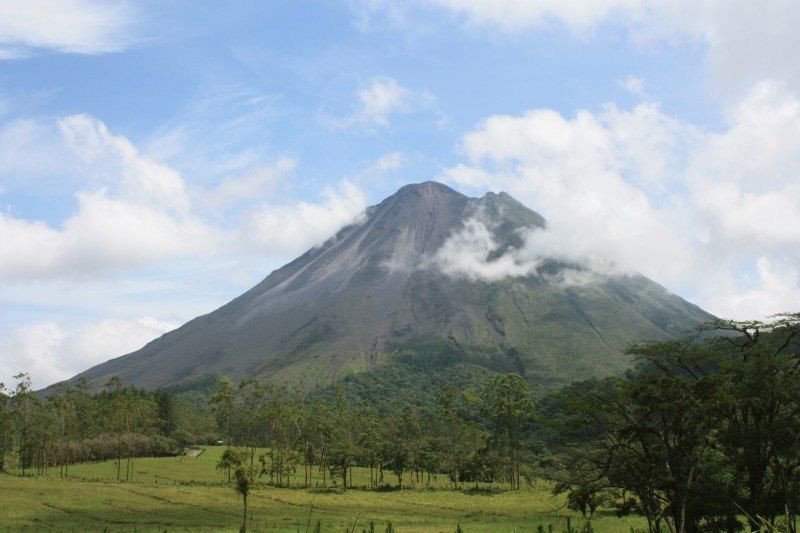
[(702, 433)]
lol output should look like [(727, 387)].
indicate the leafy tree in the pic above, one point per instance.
[(645, 435), (508, 402), (238, 462), (167, 411), (6, 426), (452, 429), (371, 440), (396, 458), (222, 401), (24, 404), (758, 401)]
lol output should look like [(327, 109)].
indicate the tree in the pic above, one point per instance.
[(657, 433), (222, 405), (63, 410), (6, 426), (252, 423), (115, 417), (508, 402), (341, 448), (167, 411), (451, 426), (757, 365), (23, 405), (396, 457), (222, 402), (370, 441), (238, 462)]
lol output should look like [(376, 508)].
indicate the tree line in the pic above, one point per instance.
[(702, 433), (41, 433), (471, 436)]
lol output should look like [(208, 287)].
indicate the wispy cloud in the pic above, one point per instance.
[(634, 85), (66, 26), (381, 98), (735, 63)]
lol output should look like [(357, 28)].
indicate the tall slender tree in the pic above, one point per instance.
[(24, 404), (6, 426), (508, 402)]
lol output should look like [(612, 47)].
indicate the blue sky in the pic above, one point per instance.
[(157, 159)]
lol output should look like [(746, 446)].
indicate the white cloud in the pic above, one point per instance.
[(634, 85), (520, 14), (136, 211), (290, 229), (775, 288), (133, 211), (226, 132), (250, 185), (745, 41), (34, 150), (114, 158), (105, 234), (465, 253), (70, 26), (693, 209), (50, 352), (368, 14), (139, 235), (391, 161), (380, 99)]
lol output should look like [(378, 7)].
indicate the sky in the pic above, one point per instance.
[(159, 158)]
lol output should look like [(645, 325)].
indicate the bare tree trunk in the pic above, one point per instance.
[(244, 517), (511, 459)]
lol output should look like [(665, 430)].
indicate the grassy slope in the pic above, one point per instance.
[(189, 494)]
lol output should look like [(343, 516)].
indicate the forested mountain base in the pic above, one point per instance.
[(702, 434)]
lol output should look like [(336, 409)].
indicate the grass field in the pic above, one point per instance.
[(182, 494)]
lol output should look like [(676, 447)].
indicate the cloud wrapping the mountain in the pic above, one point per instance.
[(465, 254), (472, 253), (701, 211)]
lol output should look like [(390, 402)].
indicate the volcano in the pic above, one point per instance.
[(378, 289)]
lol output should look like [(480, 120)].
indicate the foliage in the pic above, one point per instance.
[(706, 429)]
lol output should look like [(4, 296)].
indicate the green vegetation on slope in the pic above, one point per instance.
[(413, 375)]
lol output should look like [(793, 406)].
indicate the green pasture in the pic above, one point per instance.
[(183, 494)]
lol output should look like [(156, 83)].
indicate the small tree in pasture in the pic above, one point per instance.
[(238, 462)]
